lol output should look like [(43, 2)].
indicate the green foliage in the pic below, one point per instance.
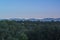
[(29, 30)]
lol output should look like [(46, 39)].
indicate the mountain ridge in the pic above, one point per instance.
[(33, 19), (36, 19)]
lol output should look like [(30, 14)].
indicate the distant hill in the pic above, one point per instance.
[(17, 19), (50, 19), (34, 19)]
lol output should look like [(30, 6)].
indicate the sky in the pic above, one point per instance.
[(29, 8)]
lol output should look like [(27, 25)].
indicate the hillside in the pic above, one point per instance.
[(29, 30)]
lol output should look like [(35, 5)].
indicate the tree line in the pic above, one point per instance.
[(29, 30)]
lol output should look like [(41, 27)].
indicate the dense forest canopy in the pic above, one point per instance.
[(29, 30)]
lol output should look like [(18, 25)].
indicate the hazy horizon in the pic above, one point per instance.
[(29, 9)]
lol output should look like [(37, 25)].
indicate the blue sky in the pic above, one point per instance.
[(29, 8)]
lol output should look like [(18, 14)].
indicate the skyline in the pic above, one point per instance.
[(29, 8)]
